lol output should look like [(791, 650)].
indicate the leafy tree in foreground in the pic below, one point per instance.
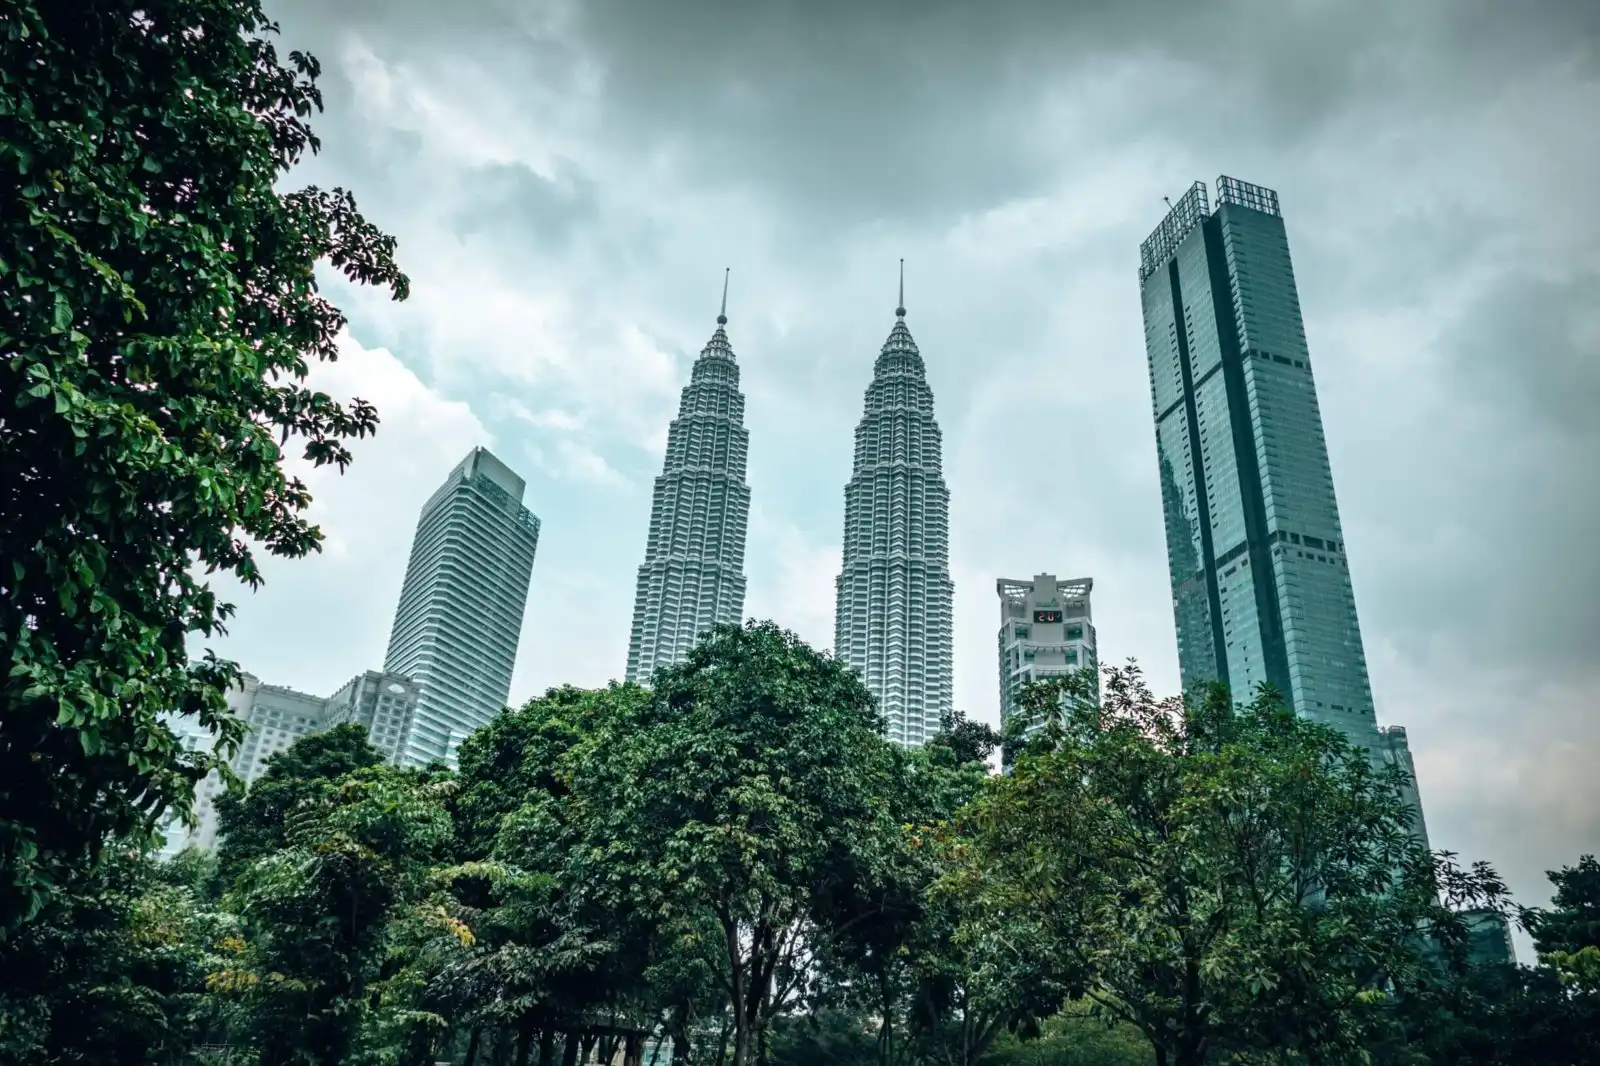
[(158, 307), (1547, 1014), (317, 913), (741, 799), (1075, 1037), (971, 742), (112, 971), (552, 956), (1226, 879), (1567, 933), (254, 823), (518, 758), (904, 951)]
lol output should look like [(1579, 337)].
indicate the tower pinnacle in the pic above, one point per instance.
[(900, 309), (722, 316)]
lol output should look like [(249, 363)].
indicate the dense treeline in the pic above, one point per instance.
[(732, 867)]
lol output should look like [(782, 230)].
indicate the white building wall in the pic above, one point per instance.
[(1046, 630), (274, 718)]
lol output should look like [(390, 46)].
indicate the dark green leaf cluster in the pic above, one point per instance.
[(1230, 880), (735, 868), (159, 309)]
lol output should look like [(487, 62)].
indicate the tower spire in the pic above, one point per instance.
[(722, 316), (900, 309)]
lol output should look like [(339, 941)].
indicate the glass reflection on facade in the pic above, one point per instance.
[(1260, 584)]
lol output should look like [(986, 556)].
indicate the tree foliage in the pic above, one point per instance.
[(255, 824), (1228, 879), (355, 859), (112, 971), (737, 801), (159, 309), (1570, 926), (739, 848)]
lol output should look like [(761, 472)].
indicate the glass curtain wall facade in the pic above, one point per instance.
[(460, 614), (893, 614), (1260, 584), (693, 572)]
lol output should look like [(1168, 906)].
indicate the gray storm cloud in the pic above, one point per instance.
[(1435, 161)]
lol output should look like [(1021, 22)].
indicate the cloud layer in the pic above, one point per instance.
[(567, 181)]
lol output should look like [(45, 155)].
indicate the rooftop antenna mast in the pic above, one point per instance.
[(722, 316), (900, 310)]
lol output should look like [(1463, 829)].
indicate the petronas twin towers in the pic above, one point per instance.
[(693, 572), (893, 616)]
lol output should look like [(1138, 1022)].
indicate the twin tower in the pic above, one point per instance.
[(894, 600)]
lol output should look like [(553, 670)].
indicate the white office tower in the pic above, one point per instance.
[(460, 615), (693, 572), (1046, 631), (893, 615)]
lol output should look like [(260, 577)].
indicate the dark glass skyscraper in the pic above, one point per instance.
[(1260, 585)]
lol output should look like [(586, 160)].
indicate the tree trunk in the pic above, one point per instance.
[(589, 1040), (523, 1033), (722, 1041), (678, 1030), (633, 1050), (886, 1025), (547, 1047), (569, 1049), (472, 1048)]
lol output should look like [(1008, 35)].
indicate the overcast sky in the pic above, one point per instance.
[(568, 180)]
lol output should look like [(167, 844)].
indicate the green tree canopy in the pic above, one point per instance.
[(112, 970), (551, 955), (1572, 921), (317, 910), (741, 799), (1224, 878), (159, 308), (254, 823)]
